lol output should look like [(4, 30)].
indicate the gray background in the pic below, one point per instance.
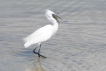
[(79, 45)]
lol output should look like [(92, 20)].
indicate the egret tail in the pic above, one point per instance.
[(27, 44)]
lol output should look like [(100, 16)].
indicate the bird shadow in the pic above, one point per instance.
[(35, 66)]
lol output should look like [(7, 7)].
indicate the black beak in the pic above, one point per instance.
[(58, 17)]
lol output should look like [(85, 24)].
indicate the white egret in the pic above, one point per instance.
[(43, 33)]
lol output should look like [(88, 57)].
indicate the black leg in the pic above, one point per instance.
[(38, 51), (35, 49)]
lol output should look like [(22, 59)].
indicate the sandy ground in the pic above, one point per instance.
[(79, 45)]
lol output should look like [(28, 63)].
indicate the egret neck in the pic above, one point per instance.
[(55, 25)]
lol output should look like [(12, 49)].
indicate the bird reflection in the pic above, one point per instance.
[(35, 66)]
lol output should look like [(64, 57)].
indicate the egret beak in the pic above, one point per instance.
[(59, 17), (56, 17)]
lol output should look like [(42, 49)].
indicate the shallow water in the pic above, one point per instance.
[(79, 45)]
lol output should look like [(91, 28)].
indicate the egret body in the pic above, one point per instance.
[(43, 33)]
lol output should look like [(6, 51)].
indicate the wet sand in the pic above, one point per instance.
[(79, 45)]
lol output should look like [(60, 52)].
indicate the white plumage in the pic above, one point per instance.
[(43, 33)]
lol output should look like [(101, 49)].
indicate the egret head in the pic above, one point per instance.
[(51, 16)]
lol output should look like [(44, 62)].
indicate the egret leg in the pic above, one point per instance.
[(39, 53), (35, 49)]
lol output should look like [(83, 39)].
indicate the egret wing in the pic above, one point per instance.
[(37, 33), (42, 34)]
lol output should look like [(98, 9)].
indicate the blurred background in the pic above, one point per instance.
[(79, 45)]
